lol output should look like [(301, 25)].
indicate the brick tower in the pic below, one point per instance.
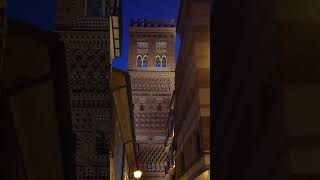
[(90, 32), (151, 68)]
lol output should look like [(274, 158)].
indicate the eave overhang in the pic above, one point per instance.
[(121, 97)]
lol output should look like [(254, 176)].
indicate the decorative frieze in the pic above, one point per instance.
[(152, 83), (151, 23), (91, 23), (84, 40)]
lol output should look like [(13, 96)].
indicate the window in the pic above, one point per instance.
[(161, 62), (164, 61), (161, 45), (139, 61), (142, 62), (145, 61), (142, 45), (158, 61), (142, 51)]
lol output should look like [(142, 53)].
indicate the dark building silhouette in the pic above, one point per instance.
[(249, 129), (266, 82), (35, 126), (90, 31), (191, 105)]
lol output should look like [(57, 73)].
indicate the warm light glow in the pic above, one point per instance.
[(204, 176), (137, 174)]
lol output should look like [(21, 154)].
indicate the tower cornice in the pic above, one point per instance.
[(152, 29)]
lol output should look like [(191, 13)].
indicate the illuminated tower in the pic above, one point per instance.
[(151, 68), (91, 35)]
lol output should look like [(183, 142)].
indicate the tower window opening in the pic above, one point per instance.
[(158, 61), (142, 45), (142, 50), (145, 61), (139, 61), (161, 62), (164, 61), (161, 45)]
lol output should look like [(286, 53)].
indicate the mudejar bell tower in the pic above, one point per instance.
[(151, 66)]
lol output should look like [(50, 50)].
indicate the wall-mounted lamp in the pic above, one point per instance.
[(137, 174)]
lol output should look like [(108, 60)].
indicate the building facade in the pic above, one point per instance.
[(170, 142), (192, 92), (123, 159), (91, 35), (151, 67)]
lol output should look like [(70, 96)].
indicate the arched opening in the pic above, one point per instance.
[(164, 61), (145, 61), (139, 61), (158, 61)]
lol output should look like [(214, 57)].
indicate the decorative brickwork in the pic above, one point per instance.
[(152, 85), (97, 171), (91, 23), (87, 55), (152, 158), (151, 23), (86, 28)]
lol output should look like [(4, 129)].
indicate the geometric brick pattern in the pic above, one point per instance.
[(151, 95), (152, 158), (152, 84), (87, 56), (91, 23), (85, 172)]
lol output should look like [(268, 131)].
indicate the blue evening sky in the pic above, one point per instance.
[(42, 14)]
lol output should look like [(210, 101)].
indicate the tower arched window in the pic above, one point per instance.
[(158, 61), (164, 61), (139, 61), (145, 61)]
